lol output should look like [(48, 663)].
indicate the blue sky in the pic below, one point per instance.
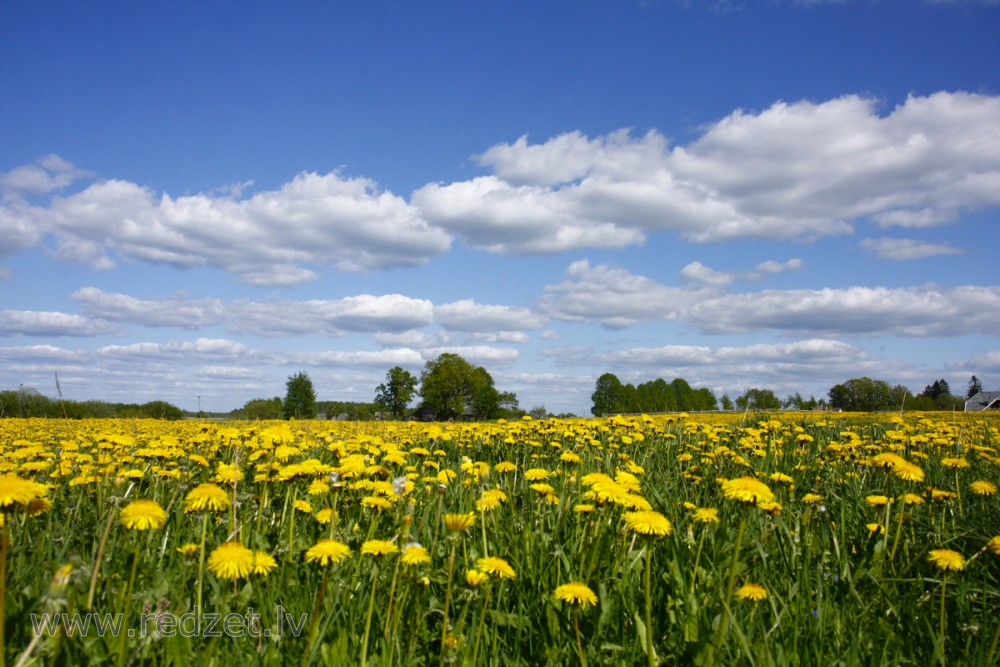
[(198, 200)]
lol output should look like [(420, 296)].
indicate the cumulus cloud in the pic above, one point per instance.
[(698, 272), (467, 315), (273, 237), (911, 311), (177, 311), (891, 248), (617, 298), (45, 323), (793, 170), (361, 313), (49, 173)]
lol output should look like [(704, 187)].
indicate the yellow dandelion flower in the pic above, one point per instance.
[(487, 503), (327, 551), (747, 490), (752, 592), (378, 548), (648, 522), (946, 560), (505, 466), (189, 549), (536, 474), (812, 498), (376, 502), (994, 545), (459, 523), (474, 578), (949, 462), (143, 515), (496, 567), (706, 515), (231, 560), (542, 489), (875, 528), (911, 499), (303, 506), (228, 473), (983, 488), (877, 501), (16, 491), (414, 554), (576, 593), (781, 478), (37, 506), (940, 495), (909, 472), (583, 508), (318, 487), (324, 516), (263, 563)]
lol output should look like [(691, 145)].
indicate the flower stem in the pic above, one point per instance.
[(123, 640), (447, 601), (97, 561), (650, 656), (479, 630), (201, 568), (720, 634), (368, 619), (3, 592), (697, 558), (311, 635), (579, 643)]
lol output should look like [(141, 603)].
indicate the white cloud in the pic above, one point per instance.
[(698, 272), (269, 238), (361, 313), (891, 248), (912, 311), (799, 170), (44, 323), (177, 311), (49, 173), (615, 298), (773, 267), (467, 315), (482, 355)]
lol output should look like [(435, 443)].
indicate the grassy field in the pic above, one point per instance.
[(761, 539)]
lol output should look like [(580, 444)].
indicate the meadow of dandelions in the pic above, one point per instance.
[(809, 539)]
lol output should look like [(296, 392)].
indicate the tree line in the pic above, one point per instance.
[(451, 388), (862, 394), (27, 402)]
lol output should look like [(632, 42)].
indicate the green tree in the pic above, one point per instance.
[(300, 397), (975, 386), (939, 388), (485, 397), (607, 396), (395, 394), (758, 399), (727, 403), (446, 386), (862, 395), (509, 404), (262, 408)]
